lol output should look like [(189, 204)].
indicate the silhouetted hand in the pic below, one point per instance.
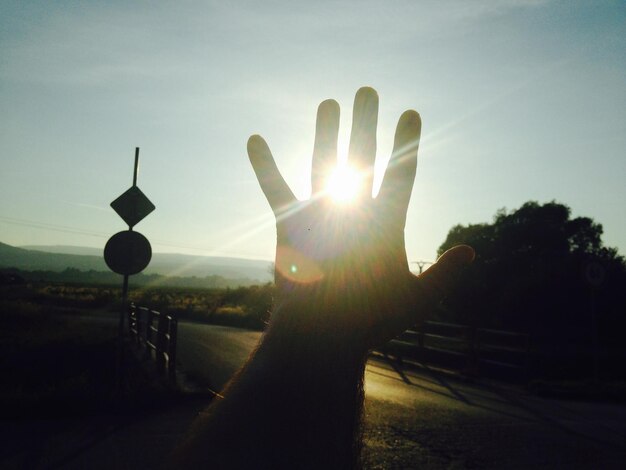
[(344, 286), (341, 267)]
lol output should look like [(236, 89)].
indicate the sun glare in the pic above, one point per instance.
[(343, 184)]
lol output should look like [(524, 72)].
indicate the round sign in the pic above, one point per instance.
[(127, 252), (595, 273)]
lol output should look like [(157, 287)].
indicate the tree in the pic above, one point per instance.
[(532, 229), (529, 275)]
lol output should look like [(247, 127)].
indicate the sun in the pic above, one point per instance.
[(343, 184)]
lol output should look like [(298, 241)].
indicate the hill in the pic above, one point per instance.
[(32, 260), (59, 258)]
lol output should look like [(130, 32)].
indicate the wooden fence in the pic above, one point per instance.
[(475, 351), (156, 333)]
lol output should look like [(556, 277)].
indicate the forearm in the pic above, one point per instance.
[(296, 404)]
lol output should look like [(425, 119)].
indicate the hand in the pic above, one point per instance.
[(341, 268), (344, 286)]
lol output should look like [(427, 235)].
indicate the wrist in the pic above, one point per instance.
[(314, 325), (291, 343)]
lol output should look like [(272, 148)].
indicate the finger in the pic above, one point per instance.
[(272, 183), (395, 191), (362, 151), (325, 148), (440, 279)]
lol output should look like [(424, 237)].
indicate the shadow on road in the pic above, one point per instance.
[(582, 420)]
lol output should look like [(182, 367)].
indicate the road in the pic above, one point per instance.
[(422, 418)]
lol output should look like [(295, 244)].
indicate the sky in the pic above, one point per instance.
[(520, 100)]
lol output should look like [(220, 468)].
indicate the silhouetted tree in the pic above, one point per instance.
[(529, 275)]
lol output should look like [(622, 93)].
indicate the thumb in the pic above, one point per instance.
[(440, 279)]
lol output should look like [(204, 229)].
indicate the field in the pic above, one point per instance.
[(58, 345), (58, 341)]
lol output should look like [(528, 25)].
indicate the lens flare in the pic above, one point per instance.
[(295, 266), (343, 184)]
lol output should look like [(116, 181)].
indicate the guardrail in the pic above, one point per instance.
[(475, 351), (156, 333)]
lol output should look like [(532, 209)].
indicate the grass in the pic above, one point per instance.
[(58, 344), (59, 359), (244, 306)]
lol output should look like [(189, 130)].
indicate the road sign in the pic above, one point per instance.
[(132, 206), (595, 273), (127, 252)]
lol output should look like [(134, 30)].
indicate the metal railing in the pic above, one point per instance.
[(156, 333), (475, 351)]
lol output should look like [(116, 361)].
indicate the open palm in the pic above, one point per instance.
[(343, 265)]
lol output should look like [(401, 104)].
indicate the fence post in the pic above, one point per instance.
[(420, 337), (148, 335), (142, 321), (160, 343), (134, 325), (138, 323), (472, 363), (162, 338), (171, 353), (131, 307)]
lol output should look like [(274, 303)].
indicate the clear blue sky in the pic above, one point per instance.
[(520, 99)]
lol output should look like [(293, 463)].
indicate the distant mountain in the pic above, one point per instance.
[(66, 249), (59, 258), (31, 260), (171, 264)]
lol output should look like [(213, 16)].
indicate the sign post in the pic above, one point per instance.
[(128, 252), (595, 275)]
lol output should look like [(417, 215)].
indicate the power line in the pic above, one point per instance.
[(421, 264), (51, 227), (96, 234)]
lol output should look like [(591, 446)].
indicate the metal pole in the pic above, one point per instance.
[(595, 338), (124, 307), (136, 166), (125, 282)]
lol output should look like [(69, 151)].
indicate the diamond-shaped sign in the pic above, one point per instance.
[(132, 206)]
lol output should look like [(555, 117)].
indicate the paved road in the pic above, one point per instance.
[(211, 354), (427, 419)]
